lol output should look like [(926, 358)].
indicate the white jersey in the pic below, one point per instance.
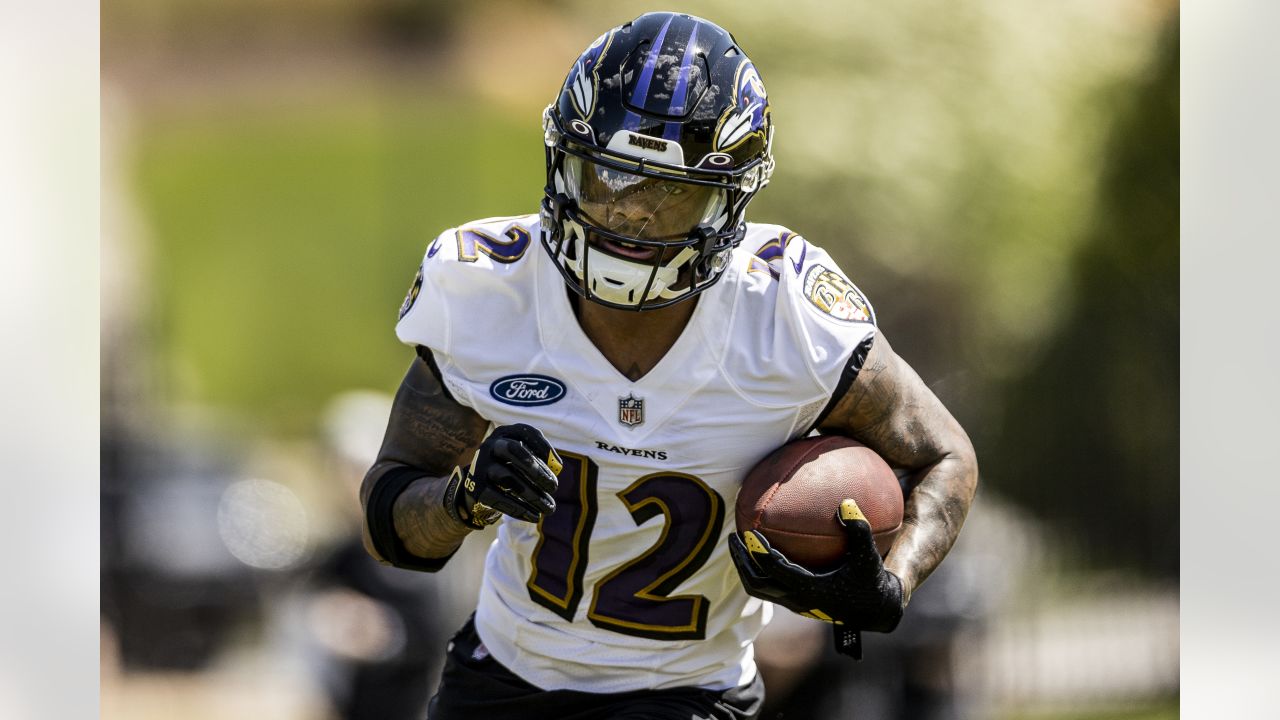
[(628, 584)]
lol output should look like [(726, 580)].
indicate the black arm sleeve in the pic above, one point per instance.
[(382, 532)]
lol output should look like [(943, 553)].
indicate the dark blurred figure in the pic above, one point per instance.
[(375, 625), (169, 588), (377, 629)]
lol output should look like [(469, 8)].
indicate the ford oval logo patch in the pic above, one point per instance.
[(527, 390)]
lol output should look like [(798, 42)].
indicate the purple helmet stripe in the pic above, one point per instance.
[(672, 131), (632, 121)]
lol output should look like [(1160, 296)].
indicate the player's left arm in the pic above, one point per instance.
[(891, 410)]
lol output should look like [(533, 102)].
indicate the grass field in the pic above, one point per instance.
[(1162, 711), (284, 239)]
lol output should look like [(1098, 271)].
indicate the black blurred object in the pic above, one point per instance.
[(398, 683), (169, 610), (411, 25)]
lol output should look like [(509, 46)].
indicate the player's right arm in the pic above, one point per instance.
[(428, 435), (439, 475)]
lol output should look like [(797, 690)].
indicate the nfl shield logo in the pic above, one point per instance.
[(630, 410)]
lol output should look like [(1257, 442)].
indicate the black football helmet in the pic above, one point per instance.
[(660, 137)]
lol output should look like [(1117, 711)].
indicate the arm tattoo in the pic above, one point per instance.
[(428, 429), (431, 432), (892, 411), (422, 522)]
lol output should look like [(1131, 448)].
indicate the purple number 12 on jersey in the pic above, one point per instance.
[(632, 599)]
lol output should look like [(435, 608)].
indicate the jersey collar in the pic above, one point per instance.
[(689, 364)]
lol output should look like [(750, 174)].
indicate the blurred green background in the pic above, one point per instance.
[(999, 177)]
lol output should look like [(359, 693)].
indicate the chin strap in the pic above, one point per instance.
[(568, 240)]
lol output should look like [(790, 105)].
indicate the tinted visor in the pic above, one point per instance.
[(639, 206)]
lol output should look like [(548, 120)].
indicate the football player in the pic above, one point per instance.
[(599, 377)]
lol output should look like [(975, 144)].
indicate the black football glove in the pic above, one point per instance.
[(859, 595), (513, 473)]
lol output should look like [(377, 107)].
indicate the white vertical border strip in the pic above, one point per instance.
[(1230, 337), (49, 305)]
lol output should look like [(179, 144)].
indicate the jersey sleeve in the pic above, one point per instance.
[(424, 316), (427, 318), (469, 283), (829, 320)]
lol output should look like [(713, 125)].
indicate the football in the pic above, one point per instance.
[(793, 497)]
